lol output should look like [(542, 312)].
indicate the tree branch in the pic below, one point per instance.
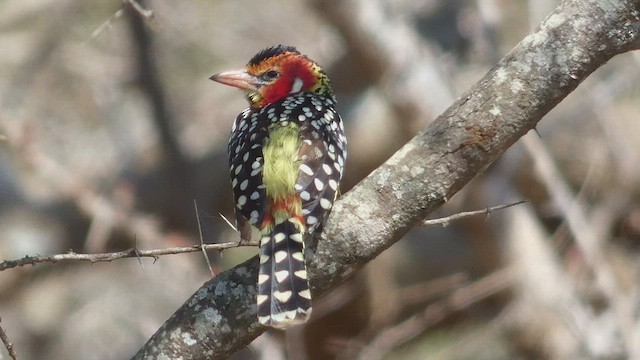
[(72, 256), (444, 221), (576, 39), (7, 344), (107, 257)]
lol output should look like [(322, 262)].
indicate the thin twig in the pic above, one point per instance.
[(204, 252), (108, 24), (156, 253), (7, 344), (137, 252), (444, 221), (108, 257), (228, 222), (145, 13)]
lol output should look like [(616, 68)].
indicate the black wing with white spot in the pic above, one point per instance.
[(322, 155), (245, 166)]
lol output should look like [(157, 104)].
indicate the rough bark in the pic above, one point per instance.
[(571, 43)]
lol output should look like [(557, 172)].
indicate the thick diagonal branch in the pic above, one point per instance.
[(576, 39)]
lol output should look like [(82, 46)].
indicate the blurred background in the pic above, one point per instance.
[(110, 129)]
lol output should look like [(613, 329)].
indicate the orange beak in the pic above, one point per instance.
[(237, 78)]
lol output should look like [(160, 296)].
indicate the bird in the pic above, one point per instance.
[(287, 153)]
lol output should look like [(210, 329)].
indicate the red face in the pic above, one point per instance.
[(272, 79)]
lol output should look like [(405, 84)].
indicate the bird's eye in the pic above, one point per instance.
[(270, 75)]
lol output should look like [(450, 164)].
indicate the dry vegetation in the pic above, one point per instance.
[(110, 130)]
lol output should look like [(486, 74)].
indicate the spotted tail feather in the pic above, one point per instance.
[(283, 297)]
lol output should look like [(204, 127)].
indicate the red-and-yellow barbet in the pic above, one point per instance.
[(286, 155)]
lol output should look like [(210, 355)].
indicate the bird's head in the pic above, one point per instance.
[(275, 73)]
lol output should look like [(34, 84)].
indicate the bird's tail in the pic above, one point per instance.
[(283, 297)]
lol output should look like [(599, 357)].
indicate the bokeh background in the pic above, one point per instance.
[(110, 129)]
